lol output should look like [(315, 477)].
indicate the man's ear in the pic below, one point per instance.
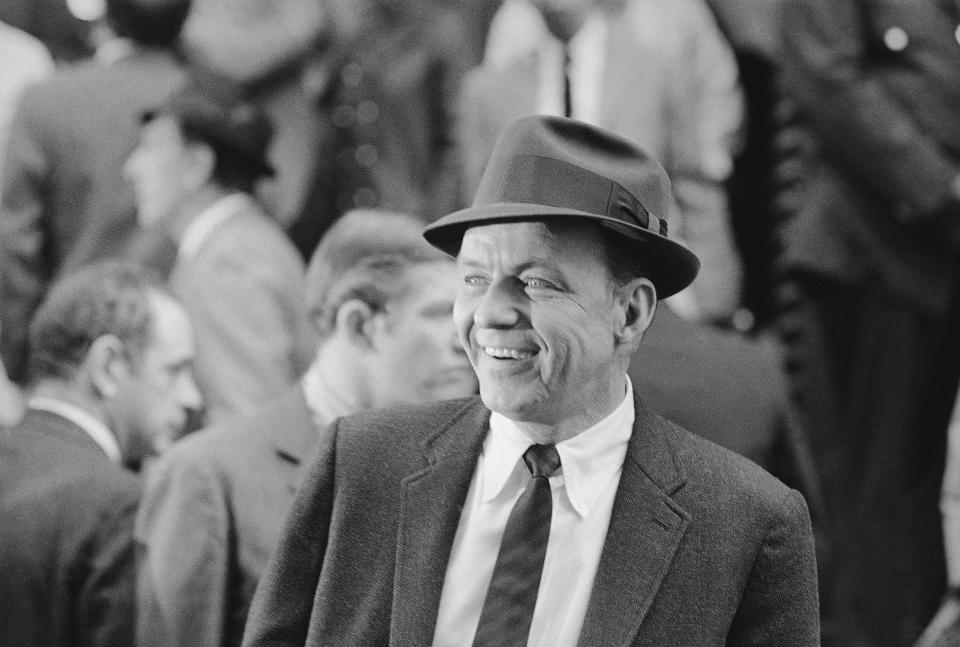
[(637, 302), (107, 365), (355, 322)]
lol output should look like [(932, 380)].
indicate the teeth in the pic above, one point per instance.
[(508, 353)]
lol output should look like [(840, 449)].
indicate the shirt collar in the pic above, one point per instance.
[(89, 423), (324, 403), (207, 221), (588, 461)]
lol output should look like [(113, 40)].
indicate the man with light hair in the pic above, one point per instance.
[(381, 300)]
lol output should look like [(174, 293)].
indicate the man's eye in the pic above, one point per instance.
[(537, 284), (473, 280)]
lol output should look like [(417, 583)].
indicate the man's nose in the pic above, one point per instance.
[(501, 304), (190, 396)]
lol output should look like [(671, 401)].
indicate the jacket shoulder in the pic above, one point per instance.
[(724, 480)]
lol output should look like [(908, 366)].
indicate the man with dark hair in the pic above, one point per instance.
[(381, 300), (555, 509), (236, 272), (63, 201), (111, 383)]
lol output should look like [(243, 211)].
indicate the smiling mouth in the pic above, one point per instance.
[(508, 353)]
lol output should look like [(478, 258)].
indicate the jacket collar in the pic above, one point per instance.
[(644, 532)]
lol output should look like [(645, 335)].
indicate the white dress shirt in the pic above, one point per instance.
[(94, 428), (587, 50), (583, 493)]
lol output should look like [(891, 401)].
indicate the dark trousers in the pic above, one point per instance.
[(874, 380)]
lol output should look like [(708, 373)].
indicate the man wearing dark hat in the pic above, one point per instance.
[(240, 278), (555, 509)]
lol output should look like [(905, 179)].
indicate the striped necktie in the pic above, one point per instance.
[(512, 595)]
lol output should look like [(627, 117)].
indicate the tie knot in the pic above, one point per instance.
[(542, 460)]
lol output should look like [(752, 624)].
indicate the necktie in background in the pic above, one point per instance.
[(512, 595), (567, 96)]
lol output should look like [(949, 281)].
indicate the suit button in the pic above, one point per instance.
[(896, 39), (956, 34)]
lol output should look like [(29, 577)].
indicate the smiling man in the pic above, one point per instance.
[(556, 509)]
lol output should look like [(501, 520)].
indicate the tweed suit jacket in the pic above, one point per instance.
[(66, 538), (704, 548), (211, 515), (669, 84), (63, 200), (243, 290)]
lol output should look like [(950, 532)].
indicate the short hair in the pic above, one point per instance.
[(156, 23), (231, 171), (624, 261), (364, 255), (108, 298)]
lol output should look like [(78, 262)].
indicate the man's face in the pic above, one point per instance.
[(156, 169), (537, 314), (418, 358), (152, 404)]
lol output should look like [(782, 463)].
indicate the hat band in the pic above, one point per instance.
[(535, 179)]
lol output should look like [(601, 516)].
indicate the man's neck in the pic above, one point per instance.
[(334, 372), (70, 393)]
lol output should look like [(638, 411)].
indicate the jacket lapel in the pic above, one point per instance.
[(431, 500), (645, 530), (295, 433)]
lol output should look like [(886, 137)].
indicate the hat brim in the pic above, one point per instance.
[(671, 266)]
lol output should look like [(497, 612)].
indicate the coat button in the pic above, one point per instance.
[(896, 39), (956, 34)]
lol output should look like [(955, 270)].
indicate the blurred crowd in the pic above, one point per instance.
[(210, 248)]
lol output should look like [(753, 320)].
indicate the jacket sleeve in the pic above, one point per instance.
[(183, 535), (826, 70), (283, 603), (104, 601), (706, 117), (24, 216), (251, 327), (779, 604)]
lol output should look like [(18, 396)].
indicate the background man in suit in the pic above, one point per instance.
[(658, 72), (423, 524), (111, 357), (873, 252), (63, 201), (381, 300), (239, 276)]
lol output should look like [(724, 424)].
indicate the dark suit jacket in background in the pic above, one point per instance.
[(66, 538), (63, 200), (727, 388), (704, 548), (211, 515)]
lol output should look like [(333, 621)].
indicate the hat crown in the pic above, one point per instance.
[(554, 168), (553, 160)]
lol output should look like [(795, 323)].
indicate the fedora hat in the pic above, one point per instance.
[(548, 168)]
